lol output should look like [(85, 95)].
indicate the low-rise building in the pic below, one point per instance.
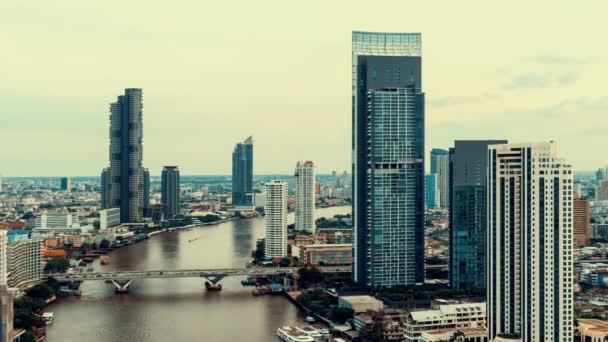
[(445, 317), (360, 303), (450, 335), (326, 255)]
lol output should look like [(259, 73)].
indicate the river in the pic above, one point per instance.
[(178, 309)]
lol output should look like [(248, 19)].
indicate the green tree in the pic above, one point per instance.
[(57, 265), (341, 315), (310, 275), (285, 262), (258, 253), (28, 336), (105, 243), (40, 291)]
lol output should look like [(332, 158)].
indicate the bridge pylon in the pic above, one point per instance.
[(122, 286)]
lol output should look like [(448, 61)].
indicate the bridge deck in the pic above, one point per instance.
[(191, 273)]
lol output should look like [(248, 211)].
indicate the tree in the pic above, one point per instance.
[(258, 253), (285, 262), (310, 275), (40, 291), (28, 336), (57, 265), (341, 315), (105, 243)]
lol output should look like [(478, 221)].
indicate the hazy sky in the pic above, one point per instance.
[(214, 72)]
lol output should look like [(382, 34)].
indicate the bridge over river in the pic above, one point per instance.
[(122, 279)]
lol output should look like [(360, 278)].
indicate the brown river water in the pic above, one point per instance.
[(179, 309)]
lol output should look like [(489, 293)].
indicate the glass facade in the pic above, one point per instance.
[(431, 196), (388, 159), (242, 173), (468, 177)]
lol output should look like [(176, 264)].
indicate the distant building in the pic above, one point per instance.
[(109, 218), (146, 204), (3, 257), (65, 184), (0, 183), (431, 192), (600, 175), (599, 230), (125, 177), (49, 224), (467, 188), (242, 174), (388, 158), (326, 254), (305, 196), (105, 188), (57, 220), (581, 220), (25, 262), (601, 193), (170, 191), (440, 166), (530, 271), (276, 219), (17, 235)]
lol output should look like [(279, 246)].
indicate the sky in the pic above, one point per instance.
[(215, 72)]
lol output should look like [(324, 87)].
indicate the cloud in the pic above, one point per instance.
[(446, 101), (541, 80), (557, 60), (581, 109)]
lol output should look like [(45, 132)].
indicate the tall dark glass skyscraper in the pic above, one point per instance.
[(125, 176), (388, 159), (242, 173), (468, 179), (170, 191)]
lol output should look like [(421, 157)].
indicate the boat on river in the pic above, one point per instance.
[(291, 334), (104, 259), (310, 331)]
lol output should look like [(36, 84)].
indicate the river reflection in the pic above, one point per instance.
[(178, 309)]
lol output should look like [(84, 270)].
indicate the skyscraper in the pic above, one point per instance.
[(388, 159), (242, 173), (530, 272), (468, 179), (305, 196), (600, 175), (276, 219), (105, 188), (440, 166), (146, 204), (65, 184), (582, 220), (431, 192), (125, 176), (170, 191)]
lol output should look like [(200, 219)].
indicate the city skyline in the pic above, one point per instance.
[(510, 89)]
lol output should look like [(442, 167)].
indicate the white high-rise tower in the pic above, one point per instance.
[(529, 292), (305, 196), (276, 219)]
